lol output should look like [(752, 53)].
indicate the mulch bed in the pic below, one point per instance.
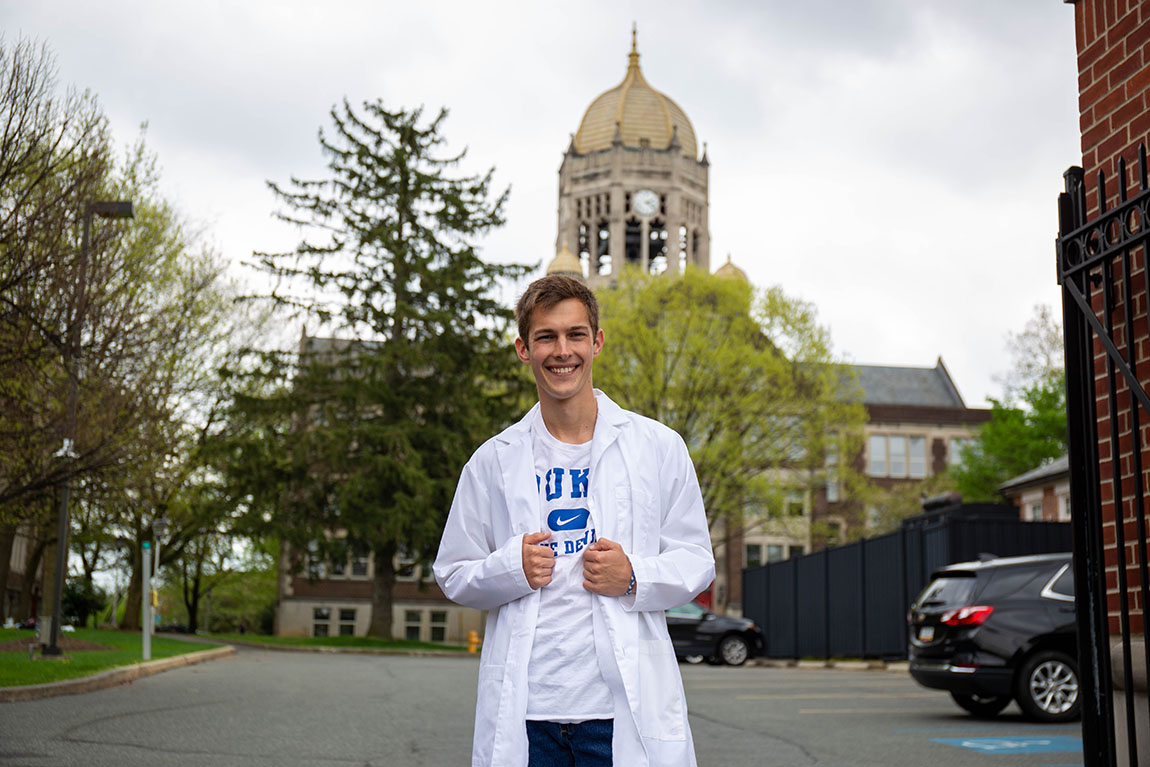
[(65, 643)]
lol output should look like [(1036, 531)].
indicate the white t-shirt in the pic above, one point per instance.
[(564, 682)]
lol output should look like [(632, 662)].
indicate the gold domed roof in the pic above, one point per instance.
[(566, 262), (634, 110), (730, 270)]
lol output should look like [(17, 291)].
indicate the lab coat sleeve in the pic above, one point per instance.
[(685, 564), (471, 568)]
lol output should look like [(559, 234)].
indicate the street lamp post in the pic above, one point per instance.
[(104, 209)]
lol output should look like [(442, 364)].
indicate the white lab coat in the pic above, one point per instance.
[(644, 495)]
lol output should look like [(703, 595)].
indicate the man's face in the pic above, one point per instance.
[(560, 349)]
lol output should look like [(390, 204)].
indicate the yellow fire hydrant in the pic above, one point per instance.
[(472, 641)]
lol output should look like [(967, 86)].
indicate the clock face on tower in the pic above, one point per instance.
[(645, 202)]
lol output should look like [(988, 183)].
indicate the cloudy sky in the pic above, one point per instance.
[(894, 162)]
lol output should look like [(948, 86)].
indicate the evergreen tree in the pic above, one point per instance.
[(358, 442)]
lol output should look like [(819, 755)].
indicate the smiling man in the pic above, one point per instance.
[(576, 528)]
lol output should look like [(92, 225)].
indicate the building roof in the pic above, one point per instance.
[(730, 270), (924, 387), (1056, 469), (566, 262), (633, 111)]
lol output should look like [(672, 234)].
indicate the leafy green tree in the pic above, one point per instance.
[(1015, 440), (746, 377), (1027, 426), (360, 440)]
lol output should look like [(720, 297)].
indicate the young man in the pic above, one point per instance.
[(576, 528)]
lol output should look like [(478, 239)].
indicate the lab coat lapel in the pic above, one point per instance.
[(517, 464)]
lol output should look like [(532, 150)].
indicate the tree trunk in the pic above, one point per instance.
[(7, 541), (132, 600), (382, 586)]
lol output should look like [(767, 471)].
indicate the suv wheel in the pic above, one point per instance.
[(1047, 687), (734, 650), (981, 705)]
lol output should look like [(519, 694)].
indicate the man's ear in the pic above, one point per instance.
[(598, 347), (522, 352)]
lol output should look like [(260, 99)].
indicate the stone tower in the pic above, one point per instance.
[(632, 187)]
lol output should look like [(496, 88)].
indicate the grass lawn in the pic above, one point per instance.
[(125, 649), (338, 641)]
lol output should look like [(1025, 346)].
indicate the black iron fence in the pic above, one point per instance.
[(1102, 271), (851, 601)]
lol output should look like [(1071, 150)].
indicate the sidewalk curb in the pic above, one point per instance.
[(837, 665), (110, 678), (352, 650)]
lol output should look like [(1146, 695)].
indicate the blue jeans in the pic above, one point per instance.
[(585, 744)]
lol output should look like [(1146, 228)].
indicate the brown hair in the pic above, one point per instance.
[(548, 291)]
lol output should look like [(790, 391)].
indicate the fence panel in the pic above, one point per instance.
[(811, 608), (845, 598)]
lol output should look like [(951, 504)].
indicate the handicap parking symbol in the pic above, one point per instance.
[(1055, 744)]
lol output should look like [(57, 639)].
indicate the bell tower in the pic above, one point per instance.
[(632, 187)]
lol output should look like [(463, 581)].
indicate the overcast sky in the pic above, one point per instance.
[(894, 162)]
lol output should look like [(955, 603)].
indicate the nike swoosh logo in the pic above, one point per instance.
[(568, 519)]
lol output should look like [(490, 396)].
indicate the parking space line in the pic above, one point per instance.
[(903, 710), (839, 696)]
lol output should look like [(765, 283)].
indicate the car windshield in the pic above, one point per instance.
[(949, 589)]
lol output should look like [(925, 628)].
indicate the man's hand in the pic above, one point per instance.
[(538, 561), (606, 569)]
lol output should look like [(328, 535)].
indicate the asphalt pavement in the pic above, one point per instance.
[(260, 708)]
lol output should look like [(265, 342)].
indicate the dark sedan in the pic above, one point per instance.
[(699, 634)]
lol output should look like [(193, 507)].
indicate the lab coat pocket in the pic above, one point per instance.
[(660, 692), (487, 705)]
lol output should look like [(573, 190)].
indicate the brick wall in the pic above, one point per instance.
[(1113, 42)]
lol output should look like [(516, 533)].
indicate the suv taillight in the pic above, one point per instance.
[(971, 615)]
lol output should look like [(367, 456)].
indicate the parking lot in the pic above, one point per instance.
[(798, 716), (304, 710)]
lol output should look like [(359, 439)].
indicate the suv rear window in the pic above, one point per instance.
[(954, 588)]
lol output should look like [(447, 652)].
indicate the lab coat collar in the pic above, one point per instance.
[(609, 415), (517, 460)]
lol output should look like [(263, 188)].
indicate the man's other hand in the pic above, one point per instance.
[(606, 569), (538, 561)]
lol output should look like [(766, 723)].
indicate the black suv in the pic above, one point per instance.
[(1000, 629), (699, 634)]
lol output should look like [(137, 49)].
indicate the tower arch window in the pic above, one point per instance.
[(584, 242), (633, 242), (657, 248), (603, 247), (682, 260), (695, 247)]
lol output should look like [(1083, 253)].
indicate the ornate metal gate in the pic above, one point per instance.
[(1102, 271)]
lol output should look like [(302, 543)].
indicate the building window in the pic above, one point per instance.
[(955, 451), (754, 556), (876, 447), (438, 625), (405, 566), (347, 622), (320, 621), (793, 506), (413, 623), (774, 552), (917, 463), (798, 551), (360, 554), (1064, 508), (1036, 512), (896, 455)]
